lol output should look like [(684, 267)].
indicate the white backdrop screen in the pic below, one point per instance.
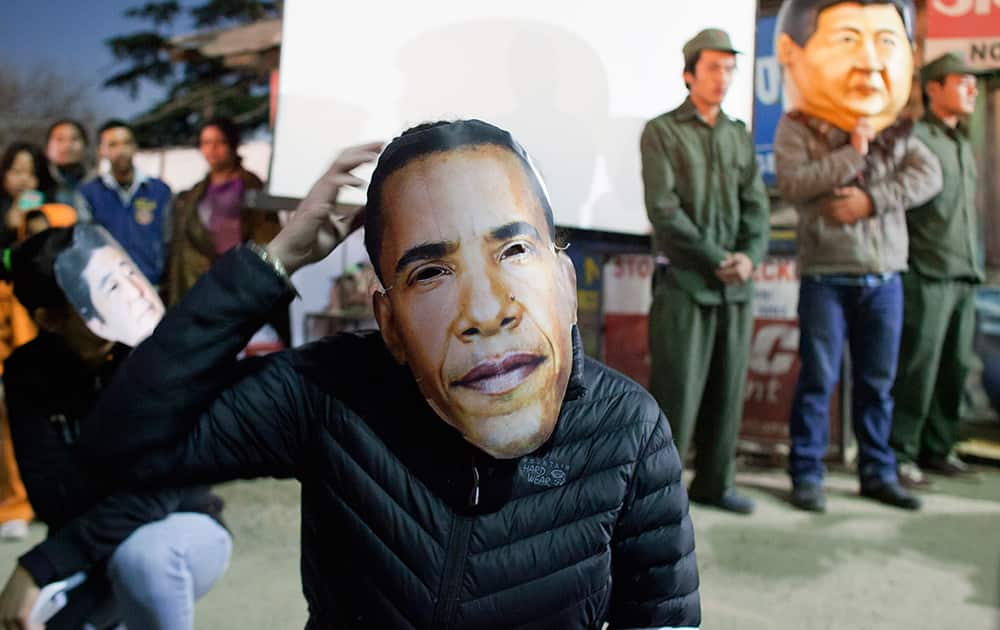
[(573, 81)]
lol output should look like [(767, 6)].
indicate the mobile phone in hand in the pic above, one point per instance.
[(30, 199)]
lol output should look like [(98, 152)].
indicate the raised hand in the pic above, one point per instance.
[(319, 224)]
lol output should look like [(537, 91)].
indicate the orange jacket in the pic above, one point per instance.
[(16, 326)]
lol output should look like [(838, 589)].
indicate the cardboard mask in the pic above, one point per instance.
[(105, 287), (479, 302), (845, 61)]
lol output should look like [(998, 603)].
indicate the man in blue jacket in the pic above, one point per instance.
[(134, 207)]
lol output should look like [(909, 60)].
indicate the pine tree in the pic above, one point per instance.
[(197, 87)]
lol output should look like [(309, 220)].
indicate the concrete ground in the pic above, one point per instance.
[(858, 566)]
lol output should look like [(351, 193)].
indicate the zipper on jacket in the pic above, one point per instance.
[(474, 493), (454, 569)]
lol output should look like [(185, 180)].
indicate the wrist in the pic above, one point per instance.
[(37, 567), (26, 576), (272, 261), (281, 257)]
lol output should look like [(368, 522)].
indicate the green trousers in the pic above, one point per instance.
[(699, 358), (939, 320)]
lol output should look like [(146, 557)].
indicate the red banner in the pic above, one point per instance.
[(968, 27), (273, 109), (963, 18)]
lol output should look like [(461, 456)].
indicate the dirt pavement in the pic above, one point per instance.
[(857, 567)]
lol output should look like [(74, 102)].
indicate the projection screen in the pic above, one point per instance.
[(573, 81)]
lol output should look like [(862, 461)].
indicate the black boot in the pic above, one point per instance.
[(809, 497), (890, 493), (731, 501)]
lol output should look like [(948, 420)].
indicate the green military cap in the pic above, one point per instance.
[(708, 39), (948, 63)]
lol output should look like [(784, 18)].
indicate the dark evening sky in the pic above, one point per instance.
[(69, 35)]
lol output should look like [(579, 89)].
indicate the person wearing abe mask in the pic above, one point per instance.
[(147, 555), (465, 466)]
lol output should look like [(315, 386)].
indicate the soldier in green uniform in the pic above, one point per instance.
[(709, 210), (945, 264)]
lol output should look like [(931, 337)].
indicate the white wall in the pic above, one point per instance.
[(573, 81)]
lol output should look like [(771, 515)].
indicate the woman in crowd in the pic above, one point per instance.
[(26, 184), (211, 219), (148, 555), (65, 147)]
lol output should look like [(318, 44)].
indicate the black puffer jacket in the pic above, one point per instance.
[(591, 527), (49, 389)]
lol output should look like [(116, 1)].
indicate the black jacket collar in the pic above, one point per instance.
[(385, 395)]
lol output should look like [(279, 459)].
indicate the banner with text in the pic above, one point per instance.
[(774, 348), (968, 27), (767, 104)]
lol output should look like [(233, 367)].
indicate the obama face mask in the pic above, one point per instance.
[(479, 302)]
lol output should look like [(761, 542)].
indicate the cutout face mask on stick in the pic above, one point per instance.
[(105, 287), (847, 61), (480, 302)]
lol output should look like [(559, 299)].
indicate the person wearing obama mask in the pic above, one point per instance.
[(464, 466)]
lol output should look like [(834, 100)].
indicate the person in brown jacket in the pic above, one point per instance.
[(211, 219), (852, 168)]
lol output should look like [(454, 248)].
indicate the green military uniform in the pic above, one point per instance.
[(705, 198), (938, 294)]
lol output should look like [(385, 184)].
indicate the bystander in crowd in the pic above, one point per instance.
[(211, 218), (134, 207), (65, 148)]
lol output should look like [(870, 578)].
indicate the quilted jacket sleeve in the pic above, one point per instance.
[(259, 427), (93, 536), (655, 575), (158, 393)]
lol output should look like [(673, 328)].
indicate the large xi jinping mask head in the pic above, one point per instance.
[(479, 302), (845, 60)]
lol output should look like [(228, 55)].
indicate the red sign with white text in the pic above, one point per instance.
[(963, 18), (968, 27), (774, 347)]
